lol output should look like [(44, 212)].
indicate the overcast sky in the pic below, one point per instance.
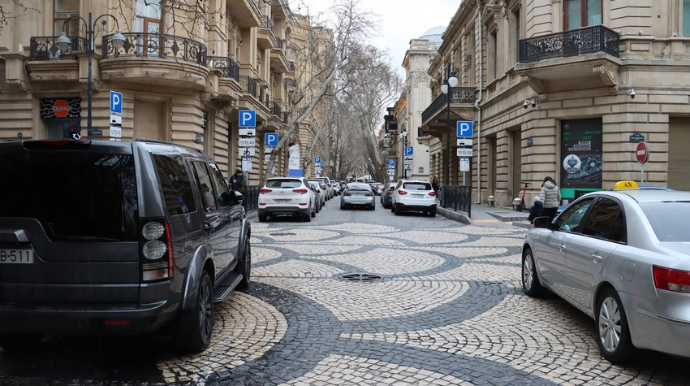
[(400, 20)]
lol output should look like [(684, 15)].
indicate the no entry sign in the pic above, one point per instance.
[(641, 152)]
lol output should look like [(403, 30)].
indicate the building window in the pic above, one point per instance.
[(149, 22), (686, 17), (64, 9), (582, 13)]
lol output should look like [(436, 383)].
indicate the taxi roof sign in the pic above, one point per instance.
[(622, 185)]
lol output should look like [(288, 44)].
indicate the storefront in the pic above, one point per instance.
[(62, 117)]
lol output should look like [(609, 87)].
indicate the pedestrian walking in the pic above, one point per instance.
[(550, 195), (239, 183)]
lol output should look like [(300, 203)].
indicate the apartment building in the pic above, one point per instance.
[(566, 89), (181, 72)]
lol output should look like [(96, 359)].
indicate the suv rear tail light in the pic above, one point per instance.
[(671, 279), (432, 194), (402, 192), (301, 191), (156, 250), (265, 190)]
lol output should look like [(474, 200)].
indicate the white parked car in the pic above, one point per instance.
[(322, 189), (414, 196), (286, 196), (330, 193)]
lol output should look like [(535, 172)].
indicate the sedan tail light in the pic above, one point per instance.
[(347, 194), (402, 192), (671, 279), (265, 190), (301, 191), (369, 194)]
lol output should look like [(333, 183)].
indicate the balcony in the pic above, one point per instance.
[(578, 59), (461, 98), (246, 12), (279, 62), (229, 77), (46, 61), (154, 58), (265, 36)]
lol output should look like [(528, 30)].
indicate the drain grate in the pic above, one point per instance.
[(360, 277), (283, 234)]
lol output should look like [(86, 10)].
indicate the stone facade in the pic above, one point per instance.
[(546, 96), (185, 72)]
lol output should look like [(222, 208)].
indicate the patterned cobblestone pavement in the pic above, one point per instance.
[(445, 308)]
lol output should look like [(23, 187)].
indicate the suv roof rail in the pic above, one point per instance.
[(168, 143)]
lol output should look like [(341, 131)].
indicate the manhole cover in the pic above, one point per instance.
[(360, 277), (283, 234)]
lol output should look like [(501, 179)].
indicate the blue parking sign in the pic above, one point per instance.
[(115, 102), (247, 118), (464, 128), (271, 139), (408, 150), (317, 160)]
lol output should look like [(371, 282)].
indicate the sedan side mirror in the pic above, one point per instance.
[(542, 222)]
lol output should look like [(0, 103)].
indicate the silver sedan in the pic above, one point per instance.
[(623, 258), (357, 194)]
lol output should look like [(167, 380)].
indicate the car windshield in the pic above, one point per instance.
[(670, 220)]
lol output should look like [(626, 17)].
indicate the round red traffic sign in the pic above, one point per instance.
[(641, 152)]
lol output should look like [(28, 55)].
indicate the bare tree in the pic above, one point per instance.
[(323, 66), (8, 14), (374, 84)]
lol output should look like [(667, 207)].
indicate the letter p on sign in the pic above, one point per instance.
[(247, 118)]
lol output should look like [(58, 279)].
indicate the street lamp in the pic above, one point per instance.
[(64, 43), (403, 135), (450, 82)]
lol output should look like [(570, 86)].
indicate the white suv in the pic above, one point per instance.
[(412, 195), (287, 196)]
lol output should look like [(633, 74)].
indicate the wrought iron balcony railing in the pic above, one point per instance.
[(457, 95), (155, 45), (580, 41), (227, 65), (45, 48), (250, 85), (275, 109)]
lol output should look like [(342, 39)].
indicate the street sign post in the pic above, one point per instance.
[(641, 153)]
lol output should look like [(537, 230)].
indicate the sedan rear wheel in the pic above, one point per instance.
[(613, 333), (530, 280)]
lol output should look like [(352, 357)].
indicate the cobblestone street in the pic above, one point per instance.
[(362, 297)]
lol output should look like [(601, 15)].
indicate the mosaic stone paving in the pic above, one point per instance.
[(445, 308)]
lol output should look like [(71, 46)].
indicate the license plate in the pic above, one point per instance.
[(16, 256), (417, 195), (282, 201)]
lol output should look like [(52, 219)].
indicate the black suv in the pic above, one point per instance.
[(116, 237)]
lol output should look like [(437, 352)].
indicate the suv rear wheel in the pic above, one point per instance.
[(196, 324)]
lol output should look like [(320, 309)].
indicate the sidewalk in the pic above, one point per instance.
[(488, 215)]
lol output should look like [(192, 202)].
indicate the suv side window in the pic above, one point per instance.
[(220, 186), (205, 186), (175, 185)]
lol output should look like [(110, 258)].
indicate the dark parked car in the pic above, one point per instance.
[(357, 195), (387, 194), (116, 237)]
